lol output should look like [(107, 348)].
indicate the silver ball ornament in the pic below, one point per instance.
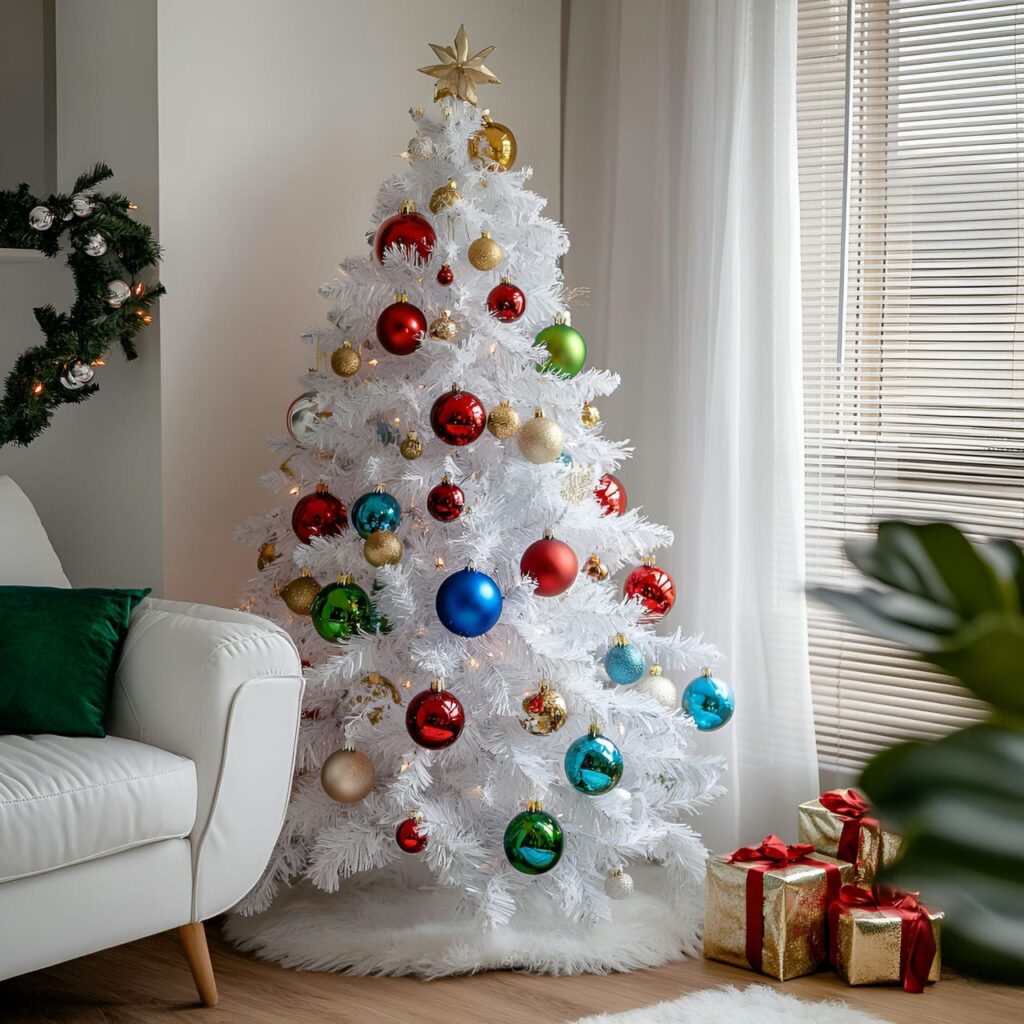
[(95, 244), (118, 293), (82, 204), (76, 375), (40, 218), (303, 417), (421, 147), (618, 885), (660, 687)]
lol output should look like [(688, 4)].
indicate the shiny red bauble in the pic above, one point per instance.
[(506, 301), (320, 514), (410, 232), (435, 718), (445, 275), (552, 563), (654, 588), (458, 417), (445, 501), (409, 837), (611, 495), (401, 326)]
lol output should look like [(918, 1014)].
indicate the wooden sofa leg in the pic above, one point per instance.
[(193, 938)]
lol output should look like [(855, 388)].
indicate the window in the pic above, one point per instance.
[(924, 417)]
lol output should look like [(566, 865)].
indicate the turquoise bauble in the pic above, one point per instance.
[(593, 764), (342, 608), (709, 702), (533, 841), (567, 351), (624, 663), (376, 510)]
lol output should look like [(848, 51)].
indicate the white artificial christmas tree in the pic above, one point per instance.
[(417, 871)]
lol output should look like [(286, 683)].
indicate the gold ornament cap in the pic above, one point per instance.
[(655, 670), (534, 805), (407, 206)]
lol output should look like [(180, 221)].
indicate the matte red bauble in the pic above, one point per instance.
[(445, 500), (320, 514), (458, 417), (445, 275), (611, 494), (552, 563), (506, 301), (409, 837), (435, 717), (401, 326), (654, 587), (408, 231)]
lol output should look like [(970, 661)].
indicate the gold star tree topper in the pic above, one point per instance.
[(458, 74)]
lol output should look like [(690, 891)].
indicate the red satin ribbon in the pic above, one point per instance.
[(849, 806), (917, 941), (772, 854)]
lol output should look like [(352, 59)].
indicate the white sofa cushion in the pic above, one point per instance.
[(27, 558), (64, 800)]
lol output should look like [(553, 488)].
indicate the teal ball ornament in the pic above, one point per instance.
[(567, 351), (624, 663), (533, 841), (342, 608), (710, 702), (376, 510), (593, 764)]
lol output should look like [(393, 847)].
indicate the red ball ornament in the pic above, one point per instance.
[(408, 231), (435, 717), (654, 587), (506, 301), (458, 417), (409, 837), (552, 563), (320, 514), (611, 495), (401, 326), (445, 500), (445, 275)]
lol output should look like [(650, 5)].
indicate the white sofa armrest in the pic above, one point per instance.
[(224, 689)]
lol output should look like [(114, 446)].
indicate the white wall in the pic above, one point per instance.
[(278, 121)]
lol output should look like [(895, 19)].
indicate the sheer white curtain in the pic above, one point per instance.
[(680, 194)]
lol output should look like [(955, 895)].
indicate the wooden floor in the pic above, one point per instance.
[(147, 982)]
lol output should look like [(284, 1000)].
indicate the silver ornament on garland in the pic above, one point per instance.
[(76, 375), (95, 244), (40, 218), (118, 293), (82, 204), (618, 885)]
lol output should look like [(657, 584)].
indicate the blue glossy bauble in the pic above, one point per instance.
[(386, 433), (565, 459), (468, 603), (709, 702), (376, 510), (624, 664), (593, 764)]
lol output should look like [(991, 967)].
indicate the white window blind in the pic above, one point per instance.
[(923, 418)]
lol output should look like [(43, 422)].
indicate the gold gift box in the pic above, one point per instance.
[(869, 947), (823, 829), (793, 911)]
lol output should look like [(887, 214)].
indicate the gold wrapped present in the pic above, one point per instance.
[(766, 907), (881, 936), (838, 824)]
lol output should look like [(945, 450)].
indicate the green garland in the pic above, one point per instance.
[(107, 252)]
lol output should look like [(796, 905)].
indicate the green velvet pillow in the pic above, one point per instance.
[(59, 650)]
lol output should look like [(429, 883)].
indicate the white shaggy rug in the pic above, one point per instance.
[(754, 1005)]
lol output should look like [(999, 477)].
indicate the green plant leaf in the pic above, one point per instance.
[(1007, 559), (987, 655), (901, 618)]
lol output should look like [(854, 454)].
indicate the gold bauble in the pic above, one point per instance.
[(347, 776), (541, 439), (494, 144), (412, 447), (595, 568), (503, 421), (590, 417), (268, 555), (485, 253), (545, 709), (380, 692), (300, 593), (383, 547), (445, 196), (444, 328), (580, 484), (345, 361)]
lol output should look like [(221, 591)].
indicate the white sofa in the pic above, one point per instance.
[(171, 817)]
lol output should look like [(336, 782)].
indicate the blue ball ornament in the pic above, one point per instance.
[(468, 603), (565, 459), (376, 510), (708, 701), (624, 663), (593, 764)]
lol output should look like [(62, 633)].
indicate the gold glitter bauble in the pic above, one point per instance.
[(590, 417), (412, 447), (503, 421), (380, 692), (444, 328), (300, 593), (445, 196), (347, 776), (383, 547), (545, 709), (345, 361), (268, 555), (494, 144), (485, 253), (541, 439), (595, 568)]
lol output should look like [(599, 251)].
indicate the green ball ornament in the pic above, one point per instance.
[(567, 351), (533, 841), (340, 609)]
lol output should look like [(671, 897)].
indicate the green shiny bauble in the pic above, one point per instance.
[(533, 841), (340, 609), (567, 351)]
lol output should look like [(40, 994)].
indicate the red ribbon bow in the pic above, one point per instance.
[(771, 855), (852, 809), (917, 941)]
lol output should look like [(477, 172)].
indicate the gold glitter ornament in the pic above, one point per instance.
[(347, 776), (485, 253), (345, 361), (494, 144), (590, 417), (459, 74), (444, 328), (300, 593), (596, 570), (445, 196), (541, 439), (383, 547), (412, 447), (546, 710), (381, 692), (268, 555), (503, 421)]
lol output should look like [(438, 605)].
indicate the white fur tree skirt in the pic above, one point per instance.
[(384, 929)]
